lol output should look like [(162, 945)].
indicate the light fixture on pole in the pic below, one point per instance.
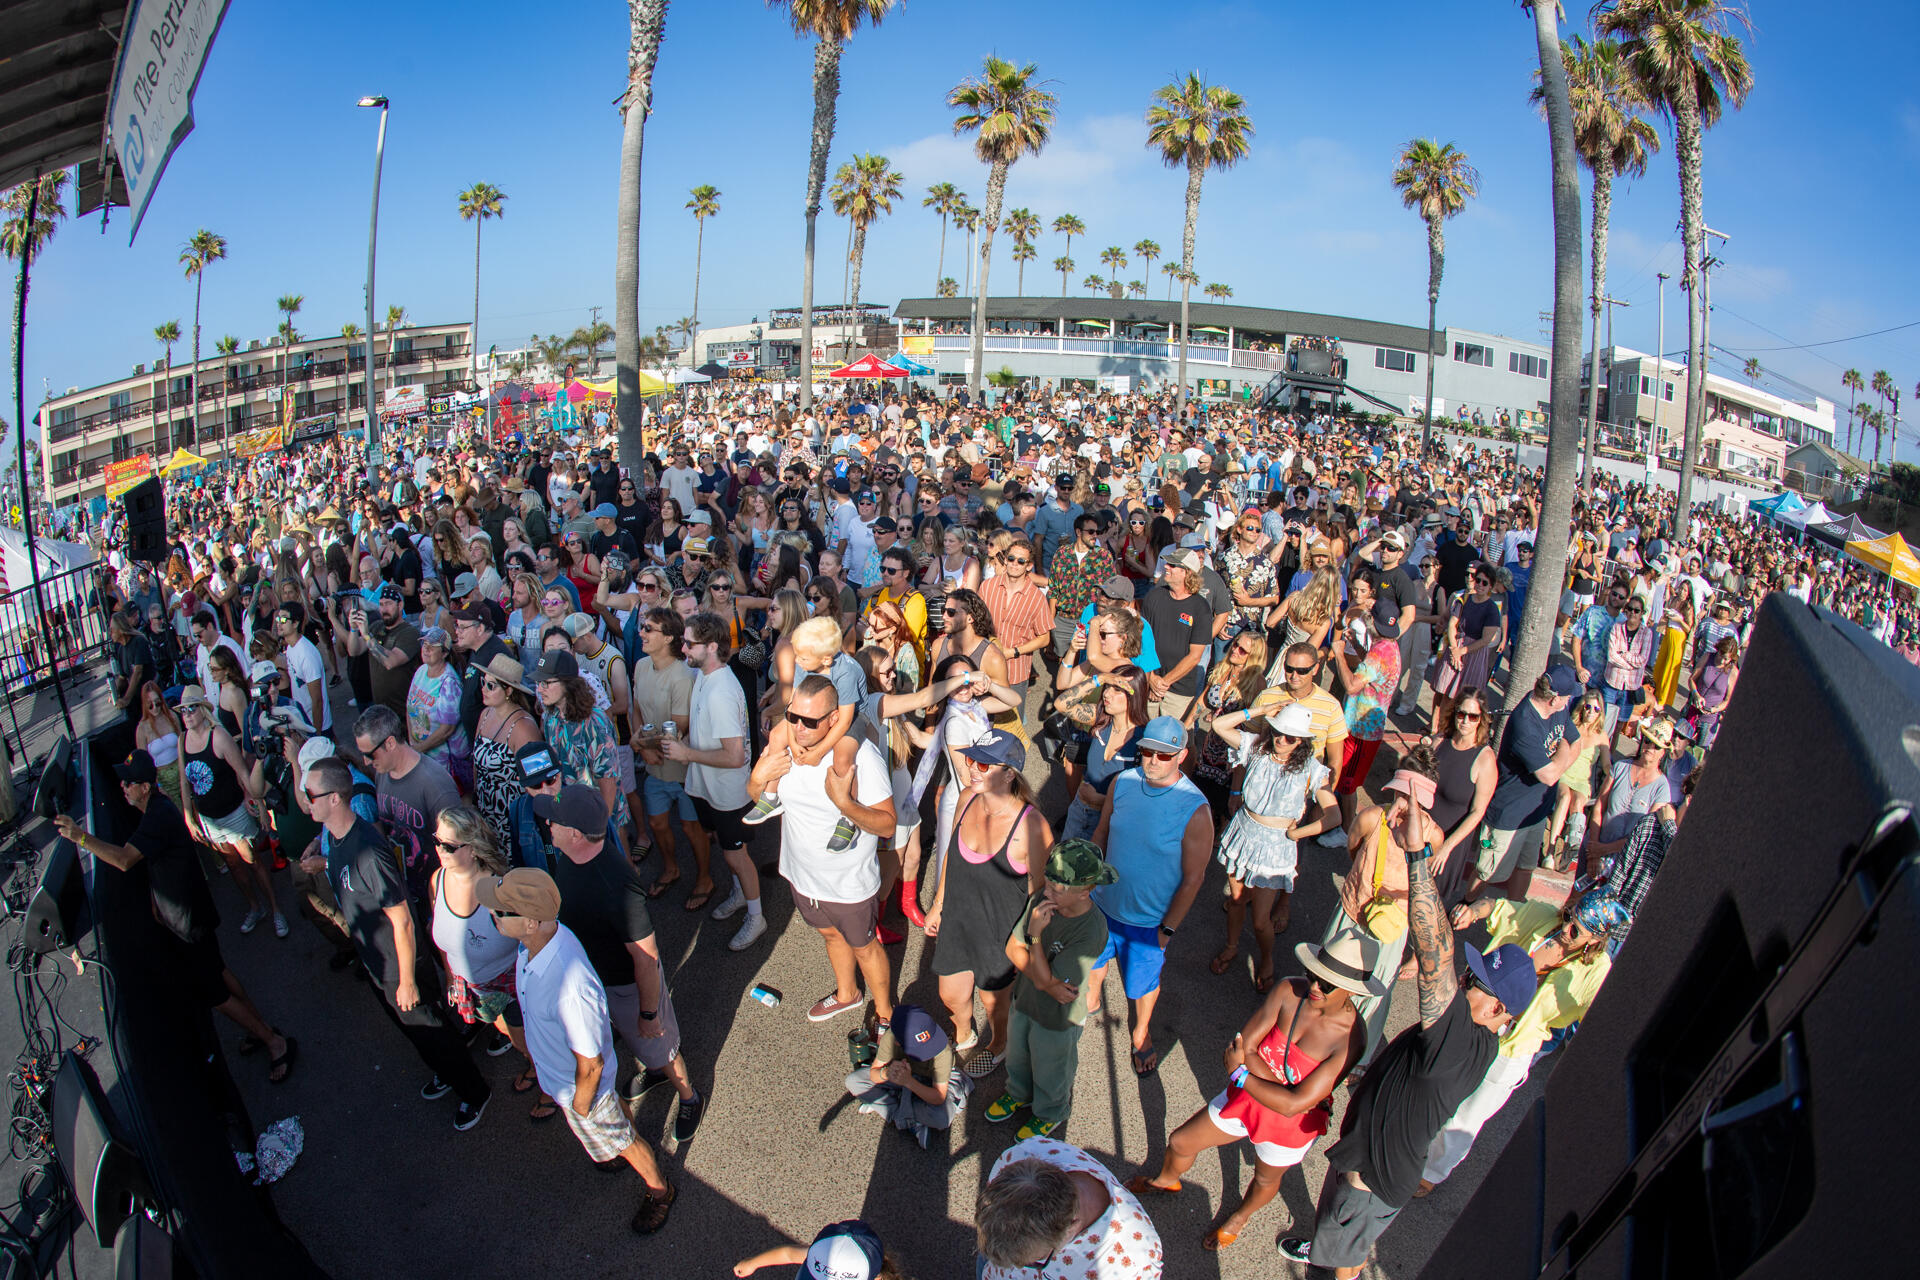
[(373, 229), (1659, 382)]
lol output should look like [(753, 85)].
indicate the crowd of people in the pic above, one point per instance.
[(495, 703)]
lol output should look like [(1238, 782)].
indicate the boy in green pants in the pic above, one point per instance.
[(1054, 946)]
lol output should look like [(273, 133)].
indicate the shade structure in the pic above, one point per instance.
[(902, 360), (651, 384), (869, 366), (1842, 531), (679, 374), (713, 369), (1890, 555), (1095, 324), (1779, 505), (511, 393), (1815, 514), (181, 460), (1208, 328)]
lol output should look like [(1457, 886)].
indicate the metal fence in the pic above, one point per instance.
[(38, 649)]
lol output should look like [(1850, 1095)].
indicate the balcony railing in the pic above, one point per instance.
[(1136, 348)]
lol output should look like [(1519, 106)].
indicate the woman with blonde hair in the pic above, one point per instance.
[(449, 551), (1234, 682), (158, 734), (1575, 802), (480, 560), (1308, 613), (956, 567)]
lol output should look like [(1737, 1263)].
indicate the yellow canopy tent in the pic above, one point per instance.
[(1890, 555), (651, 384), (181, 460)]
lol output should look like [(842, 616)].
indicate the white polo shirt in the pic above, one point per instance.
[(565, 1011)]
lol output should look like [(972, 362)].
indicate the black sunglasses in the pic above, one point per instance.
[(809, 722)]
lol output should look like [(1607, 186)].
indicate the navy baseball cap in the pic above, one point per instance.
[(843, 1251), (997, 746), (919, 1035), (1507, 972), (1565, 681)]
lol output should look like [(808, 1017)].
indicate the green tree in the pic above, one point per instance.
[(168, 333), (588, 339), (646, 28), (1069, 226), (1147, 251), (1093, 284), (704, 202), (1138, 288), (1436, 181), (862, 191), (1691, 67), (288, 306), (396, 318), (228, 346), (1854, 384), (1218, 292), (1751, 371), (1010, 116), (942, 197), (479, 202), (1882, 386), (32, 213), (967, 218), (1114, 258), (947, 288), (829, 24), (204, 249), (1198, 126), (1023, 253), (1171, 270), (1023, 225), (1064, 265)]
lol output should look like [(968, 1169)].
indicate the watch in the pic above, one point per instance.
[(1166, 929), (648, 1017)]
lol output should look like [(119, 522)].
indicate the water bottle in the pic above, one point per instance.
[(765, 994)]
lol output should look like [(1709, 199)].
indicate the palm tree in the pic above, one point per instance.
[(686, 327), (33, 211), (1010, 116), (1612, 139), (1147, 250), (646, 27), (1691, 67), (1751, 371), (351, 332), (704, 202), (479, 202), (941, 198), (1218, 292), (228, 346), (288, 306), (1138, 288), (1093, 284), (1854, 384), (166, 334), (1023, 253), (1876, 421), (967, 218), (1436, 181), (1882, 386), (1115, 257), (1023, 225), (947, 288), (203, 249), (589, 338), (862, 191), (1200, 126), (1069, 226), (1064, 265), (1861, 411), (829, 24), (1171, 270), (395, 318)]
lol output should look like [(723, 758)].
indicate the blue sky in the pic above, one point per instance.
[(1809, 178)]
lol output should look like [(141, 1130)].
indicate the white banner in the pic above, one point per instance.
[(163, 48), (404, 400)]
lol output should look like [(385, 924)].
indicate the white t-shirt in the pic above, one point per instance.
[(565, 1011), (717, 711), (208, 685), (807, 822), (304, 665)]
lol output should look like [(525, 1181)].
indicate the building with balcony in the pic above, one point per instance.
[(773, 346), (152, 412), (1747, 430)]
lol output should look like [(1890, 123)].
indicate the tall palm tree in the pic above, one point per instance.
[(479, 202), (686, 327), (1115, 257), (1854, 384), (228, 346), (1023, 253), (1093, 284), (947, 288), (1862, 411), (941, 198), (1138, 288), (1876, 421), (1023, 225), (1200, 126), (1147, 251), (1171, 270), (166, 334), (589, 338), (967, 218), (862, 191), (1442, 175), (1064, 265), (704, 201), (1010, 116), (1436, 181), (204, 249), (33, 211), (1613, 139), (351, 332), (829, 24), (395, 318), (1691, 66), (1882, 386), (1069, 226), (646, 27), (288, 306), (1751, 371)]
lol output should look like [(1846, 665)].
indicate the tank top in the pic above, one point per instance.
[(164, 749), (1454, 794), (474, 948), (216, 789), (1287, 1062), (601, 664)]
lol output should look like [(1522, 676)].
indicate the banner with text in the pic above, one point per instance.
[(163, 48), (126, 473), (404, 400)]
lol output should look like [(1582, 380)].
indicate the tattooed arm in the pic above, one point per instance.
[(1427, 926)]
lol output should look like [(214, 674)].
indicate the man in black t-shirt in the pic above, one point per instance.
[(605, 906), (182, 905), (473, 634), (363, 868), (1537, 746), (608, 536), (1182, 622), (1420, 1079)]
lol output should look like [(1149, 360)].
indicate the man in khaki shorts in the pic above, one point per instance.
[(1536, 747)]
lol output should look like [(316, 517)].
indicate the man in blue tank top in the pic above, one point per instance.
[(1157, 831)]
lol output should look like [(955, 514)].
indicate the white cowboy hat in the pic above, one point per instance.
[(1347, 962)]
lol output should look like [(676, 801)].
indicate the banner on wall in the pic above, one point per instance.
[(318, 427), (406, 401), (917, 344), (1215, 388), (163, 48), (126, 473)]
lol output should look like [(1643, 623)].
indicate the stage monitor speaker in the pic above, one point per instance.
[(53, 794), (147, 522), (1743, 1082), (108, 1181), (57, 913), (143, 1252)]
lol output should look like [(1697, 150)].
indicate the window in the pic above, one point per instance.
[(1473, 353), (1532, 366), (1398, 361)]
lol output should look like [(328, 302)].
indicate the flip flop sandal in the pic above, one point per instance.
[(526, 1080), (1216, 1240), (1151, 1059), (697, 901), (1141, 1185), (284, 1063), (252, 1044), (543, 1111), (659, 887), (1221, 963)]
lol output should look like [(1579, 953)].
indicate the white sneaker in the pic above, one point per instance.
[(736, 903), (1334, 839), (750, 930), (1404, 710)]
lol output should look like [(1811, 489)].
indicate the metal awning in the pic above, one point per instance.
[(55, 73)]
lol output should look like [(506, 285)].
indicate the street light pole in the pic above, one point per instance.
[(1659, 383), (373, 231)]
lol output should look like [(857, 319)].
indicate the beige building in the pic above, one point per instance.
[(151, 412)]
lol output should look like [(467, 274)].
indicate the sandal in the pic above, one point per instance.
[(697, 900), (545, 1109), (526, 1080), (1263, 982), (652, 1213), (1141, 1185), (659, 887), (1222, 962), (1146, 1061), (284, 1063), (1218, 1239)]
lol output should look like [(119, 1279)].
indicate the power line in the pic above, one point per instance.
[(1808, 346)]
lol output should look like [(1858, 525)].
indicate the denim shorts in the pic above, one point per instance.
[(661, 796)]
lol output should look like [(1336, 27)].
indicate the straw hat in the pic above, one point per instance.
[(1346, 962)]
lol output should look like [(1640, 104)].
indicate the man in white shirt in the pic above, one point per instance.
[(207, 636), (837, 893), (304, 664), (682, 480), (569, 1032), (715, 753)]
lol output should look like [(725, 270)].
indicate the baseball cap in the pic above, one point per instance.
[(576, 806), (921, 1038), (886, 524), (263, 669), (137, 767), (699, 515), (1164, 733), (464, 584), (1393, 538), (1183, 558), (1118, 587), (997, 746), (565, 496), (555, 664), (844, 1251), (1386, 620), (1506, 971), (577, 625), (436, 636), (605, 511), (472, 613), (1565, 682), (1079, 865), (695, 546), (537, 765), (523, 892), (866, 495)]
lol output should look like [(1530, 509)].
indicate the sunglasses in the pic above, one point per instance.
[(1148, 753), (807, 722), (1466, 715), (1302, 671), (313, 796)]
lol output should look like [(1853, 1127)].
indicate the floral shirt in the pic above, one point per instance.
[(585, 749), (1121, 1244), (1073, 579), (1373, 683), (1254, 575)]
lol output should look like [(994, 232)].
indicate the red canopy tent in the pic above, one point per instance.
[(869, 366)]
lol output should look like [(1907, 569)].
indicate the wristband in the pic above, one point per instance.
[(648, 1017), (1238, 1077)]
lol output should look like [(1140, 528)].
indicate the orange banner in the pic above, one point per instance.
[(126, 473)]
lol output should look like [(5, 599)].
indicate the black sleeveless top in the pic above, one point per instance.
[(1454, 794), (215, 787)]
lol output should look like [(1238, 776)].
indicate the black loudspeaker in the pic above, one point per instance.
[(147, 522), (57, 914), (53, 794), (143, 1252), (108, 1181), (1744, 1079)]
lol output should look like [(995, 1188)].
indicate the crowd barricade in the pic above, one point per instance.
[(39, 645)]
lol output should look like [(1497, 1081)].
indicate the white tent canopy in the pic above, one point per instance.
[(1815, 514), (55, 557), (679, 373)]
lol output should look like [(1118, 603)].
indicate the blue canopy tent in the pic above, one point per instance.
[(1779, 506), (901, 360)]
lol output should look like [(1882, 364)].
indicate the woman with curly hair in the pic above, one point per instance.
[(578, 730), (1234, 682), (449, 554)]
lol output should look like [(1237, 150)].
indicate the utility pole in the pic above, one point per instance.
[(1593, 384), (1682, 519), (1659, 383)]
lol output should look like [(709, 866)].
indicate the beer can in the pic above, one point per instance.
[(765, 994)]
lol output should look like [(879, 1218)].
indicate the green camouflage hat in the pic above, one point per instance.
[(1079, 864)]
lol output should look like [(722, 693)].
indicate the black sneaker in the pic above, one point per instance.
[(499, 1045), (341, 961), (1296, 1248), (435, 1088), (686, 1117), (646, 1082), (466, 1115)]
